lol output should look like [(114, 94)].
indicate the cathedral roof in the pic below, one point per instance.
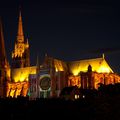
[(98, 65)]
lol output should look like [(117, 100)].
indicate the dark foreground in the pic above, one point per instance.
[(98, 108)]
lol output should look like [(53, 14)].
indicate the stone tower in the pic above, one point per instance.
[(4, 65), (20, 55)]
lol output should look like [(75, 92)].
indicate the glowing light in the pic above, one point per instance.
[(74, 81), (103, 69), (58, 65), (12, 93), (56, 69), (75, 72), (17, 89), (98, 65), (76, 96), (83, 96), (18, 92), (22, 74)]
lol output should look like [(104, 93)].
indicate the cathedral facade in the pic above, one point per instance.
[(49, 78)]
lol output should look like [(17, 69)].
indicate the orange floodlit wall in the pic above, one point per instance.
[(17, 89), (22, 74), (74, 81), (104, 78)]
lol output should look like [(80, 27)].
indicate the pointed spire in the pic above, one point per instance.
[(103, 55), (27, 43), (46, 60), (46, 55), (38, 63), (20, 35), (37, 60), (2, 45)]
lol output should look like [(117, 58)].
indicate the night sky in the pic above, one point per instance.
[(65, 30)]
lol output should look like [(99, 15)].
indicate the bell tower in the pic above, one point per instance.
[(20, 55)]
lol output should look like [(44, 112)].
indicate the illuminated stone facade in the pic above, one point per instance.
[(91, 72), (49, 78), (88, 73), (91, 80), (15, 89), (20, 69)]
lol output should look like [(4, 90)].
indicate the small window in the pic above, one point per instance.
[(76, 96)]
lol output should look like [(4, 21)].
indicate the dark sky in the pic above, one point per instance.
[(65, 30)]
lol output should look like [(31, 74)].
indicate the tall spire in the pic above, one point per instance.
[(38, 63), (2, 45), (20, 35), (103, 55)]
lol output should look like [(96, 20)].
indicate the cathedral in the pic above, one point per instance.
[(49, 78)]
